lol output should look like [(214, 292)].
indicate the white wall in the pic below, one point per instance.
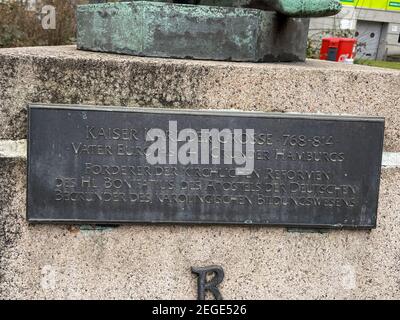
[(347, 19)]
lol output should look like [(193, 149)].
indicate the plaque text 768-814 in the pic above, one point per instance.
[(117, 165)]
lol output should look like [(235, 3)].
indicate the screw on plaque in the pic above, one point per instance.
[(203, 285)]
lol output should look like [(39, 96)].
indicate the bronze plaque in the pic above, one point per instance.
[(89, 164)]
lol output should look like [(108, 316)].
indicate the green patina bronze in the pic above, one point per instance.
[(237, 30), (290, 8), (187, 31)]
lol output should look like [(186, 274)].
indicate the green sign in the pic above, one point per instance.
[(373, 4)]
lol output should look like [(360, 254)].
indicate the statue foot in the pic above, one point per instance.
[(307, 8)]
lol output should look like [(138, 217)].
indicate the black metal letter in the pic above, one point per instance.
[(203, 285)]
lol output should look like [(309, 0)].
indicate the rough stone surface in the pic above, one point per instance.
[(140, 261), (12, 197), (143, 262), (66, 75)]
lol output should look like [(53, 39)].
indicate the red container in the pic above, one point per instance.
[(337, 49), (346, 49), (326, 44)]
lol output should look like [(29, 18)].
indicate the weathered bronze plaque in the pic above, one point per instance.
[(123, 165)]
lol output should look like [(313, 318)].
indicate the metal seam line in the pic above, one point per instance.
[(18, 149)]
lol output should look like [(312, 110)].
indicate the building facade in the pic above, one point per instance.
[(374, 23)]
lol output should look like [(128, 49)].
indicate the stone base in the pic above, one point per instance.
[(153, 262), (189, 31)]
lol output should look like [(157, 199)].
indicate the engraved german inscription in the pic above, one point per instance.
[(123, 165)]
